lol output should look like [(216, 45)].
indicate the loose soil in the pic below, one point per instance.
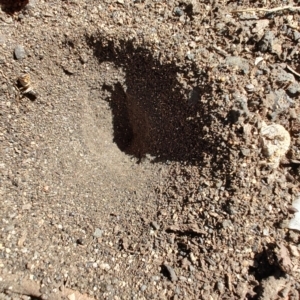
[(132, 167)]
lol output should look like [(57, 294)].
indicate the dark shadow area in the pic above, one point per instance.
[(166, 271), (12, 6), (152, 112), (123, 131), (265, 264)]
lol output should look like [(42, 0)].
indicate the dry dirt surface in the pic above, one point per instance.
[(135, 158)]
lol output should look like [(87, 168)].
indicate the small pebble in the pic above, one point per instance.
[(98, 233), (171, 272), (220, 287), (246, 152), (258, 60), (178, 12), (237, 62), (283, 77), (31, 4), (250, 88), (294, 250), (192, 44), (72, 297), (192, 257), (296, 35), (143, 288), (20, 52), (190, 55), (84, 58), (155, 225), (266, 43), (192, 268), (294, 89), (104, 266), (266, 232), (227, 224), (155, 278)]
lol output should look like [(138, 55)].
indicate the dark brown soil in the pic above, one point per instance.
[(131, 166), (13, 6)]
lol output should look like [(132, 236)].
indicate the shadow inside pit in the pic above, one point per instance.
[(152, 112), (265, 265), (12, 6)]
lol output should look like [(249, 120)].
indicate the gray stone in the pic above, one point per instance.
[(20, 52), (227, 224), (246, 152), (178, 12), (31, 5), (171, 272), (294, 89), (84, 58), (266, 232), (220, 287), (190, 56), (143, 287), (192, 268), (220, 26), (278, 101), (237, 62), (296, 35), (155, 225), (267, 41), (155, 278), (250, 88), (248, 16), (241, 101), (98, 233), (283, 77)]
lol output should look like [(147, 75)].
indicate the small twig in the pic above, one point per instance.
[(269, 10), (3, 75), (220, 51), (293, 71)]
